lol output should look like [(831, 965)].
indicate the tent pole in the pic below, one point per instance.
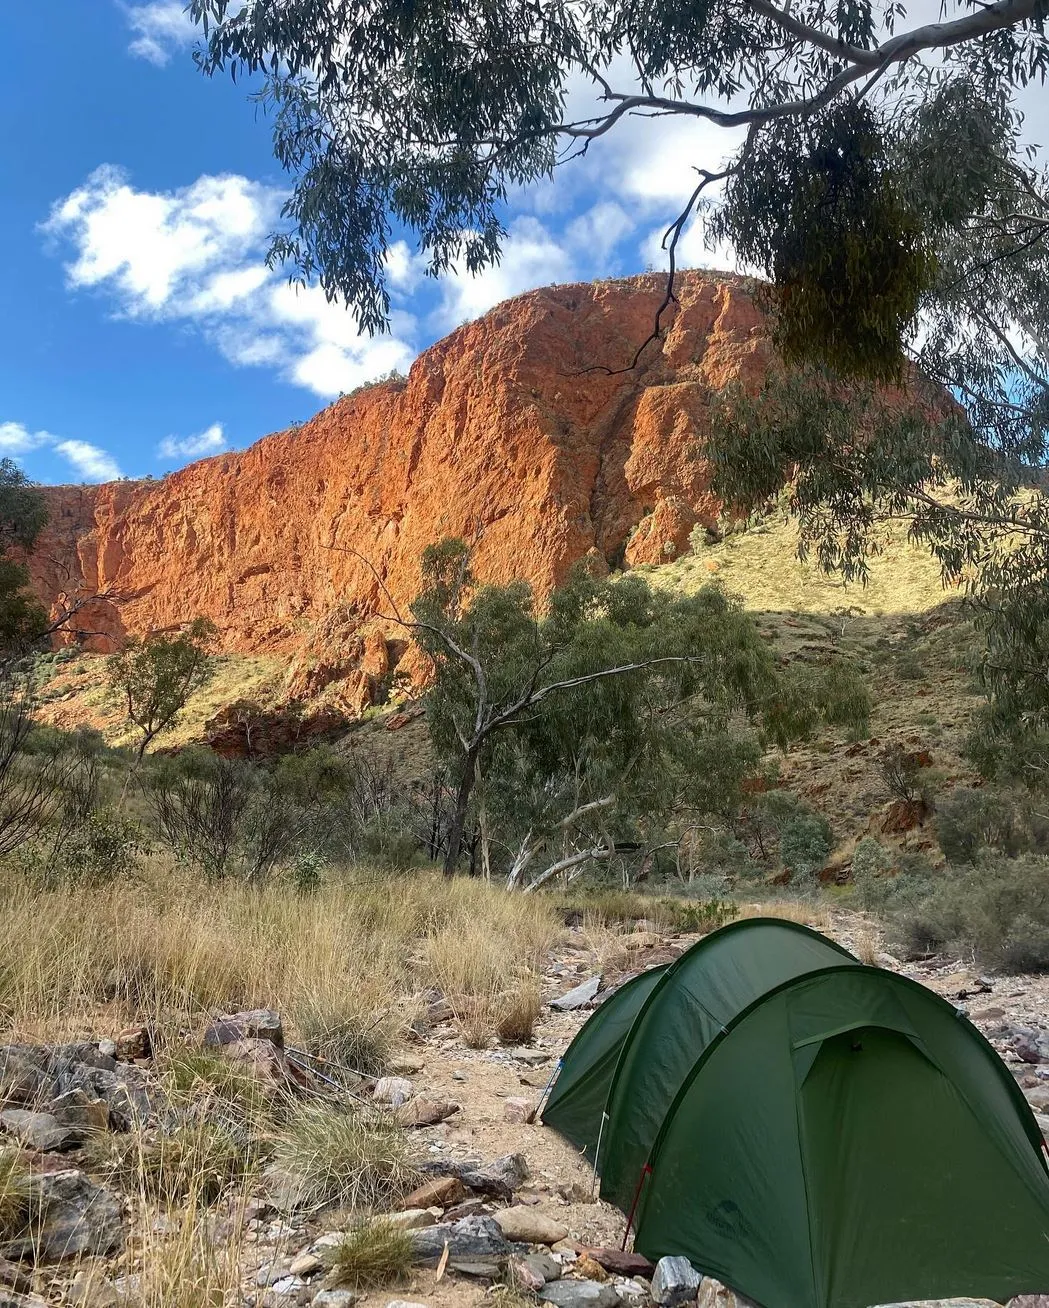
[(547, 1088), (645, 1171), (597, 1152)]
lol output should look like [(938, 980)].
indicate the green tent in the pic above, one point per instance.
[(812, 1132)]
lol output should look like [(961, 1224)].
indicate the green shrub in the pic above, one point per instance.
[(804, 843), (870, 866), (996, 910), (970, 821), (372, 1255)]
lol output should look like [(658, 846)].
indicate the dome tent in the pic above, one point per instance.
[(843, 1138)]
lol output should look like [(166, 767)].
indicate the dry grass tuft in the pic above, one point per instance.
[(14, 1194), (807, 913), (372, 1255), (517, 1015), (196, 1159), (184, 1266), (329, 1157)]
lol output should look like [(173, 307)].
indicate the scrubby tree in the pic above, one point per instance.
[(22, 517), (592, 723), (154, 677)]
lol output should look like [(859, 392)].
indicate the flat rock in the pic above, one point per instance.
[(473, 1242), (91, 1289), (674, 1281), (633, 1294), (441, 1192), (38, 1130), (253, 1024), (622, 1262), (73, 1218), (335, 1299), (81, 1113), (582, 995), (404, 1303), (572, 1293), (409, 1219), (306, 1264), (524, 1225), (502, 1177), (533, 1057), (426, 1112)]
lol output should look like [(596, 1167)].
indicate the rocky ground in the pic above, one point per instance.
[(502, 1201)]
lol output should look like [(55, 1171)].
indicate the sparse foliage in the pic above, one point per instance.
[(154, 677)]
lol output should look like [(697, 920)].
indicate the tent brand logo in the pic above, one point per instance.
[(727, 1218)]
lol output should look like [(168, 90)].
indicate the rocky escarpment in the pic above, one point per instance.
[(525, 430)]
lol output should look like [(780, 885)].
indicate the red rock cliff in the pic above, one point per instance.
[(517, 425)]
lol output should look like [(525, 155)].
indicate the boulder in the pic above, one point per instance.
[(572, 1293), (476, 1246), (256, 1024), (70, 1217), (38, 1130), (526, 1225), (674, 1281), (582, 995)]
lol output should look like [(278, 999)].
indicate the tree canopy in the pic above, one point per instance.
[(612, 718)]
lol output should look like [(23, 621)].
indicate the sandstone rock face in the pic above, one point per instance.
[(523, 430)]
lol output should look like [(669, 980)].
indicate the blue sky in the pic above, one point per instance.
[(140, 327)]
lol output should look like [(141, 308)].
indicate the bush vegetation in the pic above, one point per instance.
[(373, 1254)]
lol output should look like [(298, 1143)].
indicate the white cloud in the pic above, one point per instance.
[(16, 439), (90, 461), (161, 28), (531, 257), (93, 463), (197, 255), (211, 441)]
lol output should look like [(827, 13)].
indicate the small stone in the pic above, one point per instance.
[(134, 1043), (90, 1289), (526, 1226), (394, 1090), (622, 1262), (270, 1273), (633, 1294), (458, 1076), (410, 1219), (335, 1299), (108, 1048), (468, 1208), (306, 1264), (542, 1264), (567, 1249), (519, 1111), (569, 1293), (521, 1276), (579, 997), (586, 1266), (533, 1057), (674, 1281), (38, 1130), (988, 1015), (1029, 1046), (256, 1024), (12, 1299), (441, 1192), (426, 1112), (1038, 1097), (404, 1303), (17, 1278)]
